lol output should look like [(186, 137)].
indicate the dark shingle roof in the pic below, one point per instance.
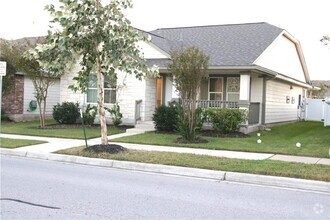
[(227, 45)]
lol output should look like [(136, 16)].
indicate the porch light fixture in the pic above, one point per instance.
[(291, 87)]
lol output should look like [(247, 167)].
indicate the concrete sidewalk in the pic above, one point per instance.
[(55, 144)]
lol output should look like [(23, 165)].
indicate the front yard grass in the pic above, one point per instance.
[(32, 128), (282, 139), (15, 143), (263, 167)]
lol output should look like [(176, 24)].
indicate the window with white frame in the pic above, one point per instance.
[(109, 90), (233, 87), (215, 88)]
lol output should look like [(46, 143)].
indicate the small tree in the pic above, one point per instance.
[(39, 64), (188, 69), (105, 41), (43, 66), (10, 54)]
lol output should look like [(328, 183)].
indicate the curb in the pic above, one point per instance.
[(276, 181)]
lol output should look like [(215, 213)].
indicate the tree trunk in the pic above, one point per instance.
[(44, 114), (40, 113), (104, 130), (45, 104)]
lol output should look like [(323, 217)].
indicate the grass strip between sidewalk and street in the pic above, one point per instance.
[(32, 128), (263, 167), (15, 143), (282, 139)]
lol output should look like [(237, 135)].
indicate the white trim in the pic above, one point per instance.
[(302, 60), (104, 89), (158, 49), (222, 81), (237, 93)]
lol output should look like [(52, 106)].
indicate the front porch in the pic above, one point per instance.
[(253, 108), (222, 89)]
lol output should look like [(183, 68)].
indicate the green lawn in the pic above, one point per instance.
[(31, 128), (15, 143), (282, 139), (264, 167)]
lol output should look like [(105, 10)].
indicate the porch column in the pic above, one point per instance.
[(244, 93)]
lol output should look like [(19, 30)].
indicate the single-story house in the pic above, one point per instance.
[(256, 66), (19, 103)]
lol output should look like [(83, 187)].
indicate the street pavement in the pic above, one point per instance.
[(39, 189), (44, 151)]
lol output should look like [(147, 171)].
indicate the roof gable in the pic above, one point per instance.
[(227, 45), (285, 57)]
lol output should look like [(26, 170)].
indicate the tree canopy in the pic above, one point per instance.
[(101, 39), (188, 69)]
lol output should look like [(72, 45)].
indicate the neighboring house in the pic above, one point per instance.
[(323, 91), (255, 66), (20, 102)]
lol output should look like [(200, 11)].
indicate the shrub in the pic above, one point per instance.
[(89, 115), (183, 125), (201, 117), (115, 114), (165, 118), (5, 118), (66, 113), (227, 120)]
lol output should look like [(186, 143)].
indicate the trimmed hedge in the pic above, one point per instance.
[(165, 118), (227, 120), (66, 113)]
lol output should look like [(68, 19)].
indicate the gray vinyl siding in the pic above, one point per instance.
[(29, 95), (277, 110)]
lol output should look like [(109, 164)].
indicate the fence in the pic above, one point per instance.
[(318, 110)]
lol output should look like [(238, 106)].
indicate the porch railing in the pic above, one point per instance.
[(216, 104)]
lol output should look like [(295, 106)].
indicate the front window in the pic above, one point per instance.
[(109, 90), (233, 86), (216, 88)]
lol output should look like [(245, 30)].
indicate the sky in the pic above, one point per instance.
[(307, 20)]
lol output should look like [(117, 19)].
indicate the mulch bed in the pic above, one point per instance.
[(211, 133), (109, 148)]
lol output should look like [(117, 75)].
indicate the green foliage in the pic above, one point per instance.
[(201, 117), (165, 118), (184, 127), (89, 115), (10, 54), (188, 69), (319, 94), (227, 120), (5, 118), (66, 113), (115, 114), (102, 39)]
